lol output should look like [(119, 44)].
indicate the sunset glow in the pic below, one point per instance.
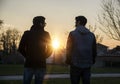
[(58, 20), (55, 43)]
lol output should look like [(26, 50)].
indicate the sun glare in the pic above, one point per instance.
[(55, 43)]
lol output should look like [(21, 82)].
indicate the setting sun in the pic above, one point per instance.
[(55, 43)]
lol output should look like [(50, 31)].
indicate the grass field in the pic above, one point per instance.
[(67, 81), (18, 69)]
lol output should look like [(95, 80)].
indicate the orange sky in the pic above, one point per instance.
[(60, 15)]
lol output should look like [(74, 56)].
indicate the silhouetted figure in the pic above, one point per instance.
[(35, 46), (81, 52)]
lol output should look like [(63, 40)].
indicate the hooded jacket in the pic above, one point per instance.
[(81, 48), (35, 46)]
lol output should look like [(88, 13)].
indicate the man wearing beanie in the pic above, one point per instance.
[(35, 46)]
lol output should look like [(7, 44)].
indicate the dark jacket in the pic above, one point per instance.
[(81, 48), (35, 46)]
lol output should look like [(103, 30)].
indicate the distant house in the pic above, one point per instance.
[(101, 49), (115, 51), (106, 58)]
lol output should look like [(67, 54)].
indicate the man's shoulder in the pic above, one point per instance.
[(92, 33), (27, 31), (46, 33), (73, 31)]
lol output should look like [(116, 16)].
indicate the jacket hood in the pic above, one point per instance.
[(82, 30)]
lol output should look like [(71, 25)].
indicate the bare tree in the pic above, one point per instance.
[(93, 29), (9, 39), (109, 18), (118, 2), (1, 22)]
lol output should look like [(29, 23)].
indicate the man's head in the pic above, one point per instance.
[(39, 20), (80, 20)]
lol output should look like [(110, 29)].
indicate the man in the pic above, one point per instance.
[(35, 46), (81, 52)]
